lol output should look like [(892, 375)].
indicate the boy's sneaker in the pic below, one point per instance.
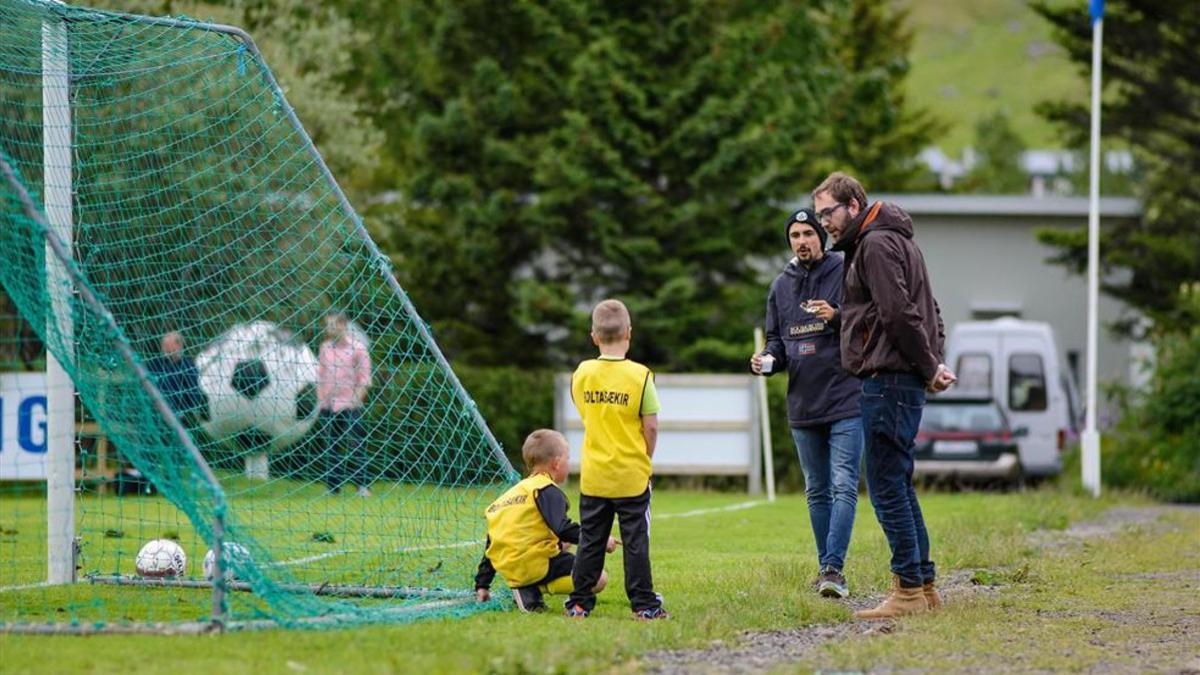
[(651, 614), (576, 612), (831, 584), (529, 599)]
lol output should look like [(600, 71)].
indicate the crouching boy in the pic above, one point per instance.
[(529, 530)]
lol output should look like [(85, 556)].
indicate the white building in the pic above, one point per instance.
[(985, 261)]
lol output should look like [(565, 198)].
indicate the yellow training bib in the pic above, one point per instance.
[(608, 395), (522, 544)]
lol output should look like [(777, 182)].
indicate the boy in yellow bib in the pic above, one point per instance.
[(529, 529), (618, 403)]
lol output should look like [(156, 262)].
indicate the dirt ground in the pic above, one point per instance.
[(1175, 632)]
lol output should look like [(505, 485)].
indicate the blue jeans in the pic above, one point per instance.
[(891, 412), (830, 455)]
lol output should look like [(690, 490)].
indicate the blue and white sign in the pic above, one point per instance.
[(22, 426)]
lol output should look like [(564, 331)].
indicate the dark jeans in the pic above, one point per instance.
[(345, 460), (595, 525), (891, 412)]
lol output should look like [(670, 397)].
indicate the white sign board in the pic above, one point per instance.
[(708, 425), (22, 426)]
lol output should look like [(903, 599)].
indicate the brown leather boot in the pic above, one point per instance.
[(899, 602), (932, 597)]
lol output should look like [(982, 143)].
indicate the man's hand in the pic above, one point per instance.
[(943, 379), (564, 547), (611, 545), (821, 309), (483, 594), (756, 364)]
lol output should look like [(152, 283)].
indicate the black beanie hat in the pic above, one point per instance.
[(808, 217)]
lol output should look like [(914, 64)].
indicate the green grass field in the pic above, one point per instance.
[(722, 572), (970, 59)]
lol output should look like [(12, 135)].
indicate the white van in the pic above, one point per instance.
[(1018, 362)]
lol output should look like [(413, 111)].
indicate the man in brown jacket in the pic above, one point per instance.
[(892, 338)]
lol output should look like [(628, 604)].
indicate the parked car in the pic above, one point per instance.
[(1019, 366), (966, 434)]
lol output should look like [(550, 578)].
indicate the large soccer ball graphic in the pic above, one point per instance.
[(261, 383)]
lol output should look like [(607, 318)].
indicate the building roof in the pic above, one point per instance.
[(1009, 205)]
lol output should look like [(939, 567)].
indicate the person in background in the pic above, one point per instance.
[(343, 377), (178, 379)]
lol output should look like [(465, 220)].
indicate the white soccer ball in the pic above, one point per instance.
[(259, 378), (232, 552), (161, 558)]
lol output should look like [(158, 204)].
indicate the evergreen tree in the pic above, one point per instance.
[(553, 154), (998, 168), (309, 49), (873, 132), (1151, 104)]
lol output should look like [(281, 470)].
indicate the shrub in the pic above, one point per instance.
[(513, 400), (1156, 445)]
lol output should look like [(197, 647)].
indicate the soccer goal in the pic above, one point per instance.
[(288, 445)]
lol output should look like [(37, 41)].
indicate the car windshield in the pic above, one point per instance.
[(954, 416)]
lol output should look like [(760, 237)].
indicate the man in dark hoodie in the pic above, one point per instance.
[(803, 320), (892, 338)]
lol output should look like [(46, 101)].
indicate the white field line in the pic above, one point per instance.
[(346, 551), (461, 544), (25, 587), (308, 558), (433, 547), (701, 512)]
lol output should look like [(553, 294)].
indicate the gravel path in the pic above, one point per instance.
[(762, 651)]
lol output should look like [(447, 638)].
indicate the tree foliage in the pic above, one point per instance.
[(998, 169), (557, 153), (550, 154), (1151, 104), (871, 129), (310, 48), (1155, 441)]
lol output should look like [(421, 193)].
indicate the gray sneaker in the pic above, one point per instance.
[(831, 584), (529, 599)]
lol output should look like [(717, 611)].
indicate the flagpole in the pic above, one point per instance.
[(1091, 436)]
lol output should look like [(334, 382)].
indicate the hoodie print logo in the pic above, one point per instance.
[(806, 329)]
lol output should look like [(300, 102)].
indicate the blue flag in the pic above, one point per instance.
[(1096, 8)]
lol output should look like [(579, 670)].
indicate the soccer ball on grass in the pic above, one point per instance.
[(161, 559)]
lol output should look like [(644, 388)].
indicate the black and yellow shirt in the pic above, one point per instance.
[(612, 395), (520, 541)]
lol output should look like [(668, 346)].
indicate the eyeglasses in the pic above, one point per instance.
[(824, 215)]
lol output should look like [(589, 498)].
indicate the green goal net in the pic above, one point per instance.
[(238, 419)]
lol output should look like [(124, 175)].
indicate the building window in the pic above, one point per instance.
[(974, 372), (1026, 383)]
